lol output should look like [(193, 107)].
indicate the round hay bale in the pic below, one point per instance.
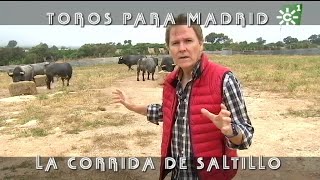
[(162, 76), (40, 80), (22, 88)]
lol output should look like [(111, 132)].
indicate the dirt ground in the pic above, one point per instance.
[(277, 134)]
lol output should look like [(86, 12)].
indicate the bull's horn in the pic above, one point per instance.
[(163, 66), (22, 72), (173, 64), (10, 73)]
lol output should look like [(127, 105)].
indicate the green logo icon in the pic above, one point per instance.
[(290, 14)]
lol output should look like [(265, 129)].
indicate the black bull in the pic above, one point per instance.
[(62, 70), (148, 65), (167, 64), (27, 72), (130, 60), (39, 68), (22, 73)]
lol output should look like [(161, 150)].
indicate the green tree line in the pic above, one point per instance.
[(13, 54), (218, 41)]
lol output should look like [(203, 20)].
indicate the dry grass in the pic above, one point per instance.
[(80, 106), (35, 132), (24, 164), (113, 141), (143, 137), (293, 76), (117, 119), (75, 108), (25, 169), (65, 173), (311, 111), (2, 121), (99, 77), (289, 76), (5, 80)]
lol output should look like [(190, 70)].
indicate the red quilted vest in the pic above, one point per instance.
[(206, 139)]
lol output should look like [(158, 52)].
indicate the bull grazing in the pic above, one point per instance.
[(39, 68), (167, 64), (22, 73), (130, 60), (147, 65), (62, 70)]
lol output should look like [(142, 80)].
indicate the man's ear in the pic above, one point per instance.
[(202, 46), (168, 49)]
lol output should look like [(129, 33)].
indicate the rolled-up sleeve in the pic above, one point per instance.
[(234, 101), (154, 113)]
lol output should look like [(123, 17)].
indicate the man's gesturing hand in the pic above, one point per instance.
[(120, 97), (222, 120)]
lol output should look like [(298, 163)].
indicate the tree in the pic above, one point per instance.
[(63, 48), (30, 58), (228, 42), (260, 41), (315, 39), (12, 44), (53, 53), (243, 43), (11, 55), (211, 38), (215, 38), (41, 50), (289, 40), (279, 44)]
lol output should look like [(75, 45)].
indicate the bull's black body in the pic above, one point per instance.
[(62, 70), (22, 73), (39, 68), (148, 65), (130, 60), (167, 64)]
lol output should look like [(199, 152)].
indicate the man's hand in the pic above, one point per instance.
[(120, 97), (222, 120)]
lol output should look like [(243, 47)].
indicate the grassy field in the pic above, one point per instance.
[(290, 76), (81, 101), (294, 76), (77, 115)]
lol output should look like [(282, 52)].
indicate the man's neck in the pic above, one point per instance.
[(187, 75)]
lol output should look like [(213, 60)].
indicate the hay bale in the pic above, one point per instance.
[(22, 88), (40, 80), (162, 76)]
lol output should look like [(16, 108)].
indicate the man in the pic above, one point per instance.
[(203, 110)]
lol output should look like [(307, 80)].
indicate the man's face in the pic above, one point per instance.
[(184, 46)]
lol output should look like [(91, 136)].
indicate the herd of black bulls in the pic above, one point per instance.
[(50, 69), (147, 65), (64, 70)]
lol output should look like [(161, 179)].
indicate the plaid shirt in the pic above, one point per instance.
[(180, 144)]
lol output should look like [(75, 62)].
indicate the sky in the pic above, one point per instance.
[(76, 36)]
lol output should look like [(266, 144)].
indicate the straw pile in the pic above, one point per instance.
[(22, 88), (40, 80)]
